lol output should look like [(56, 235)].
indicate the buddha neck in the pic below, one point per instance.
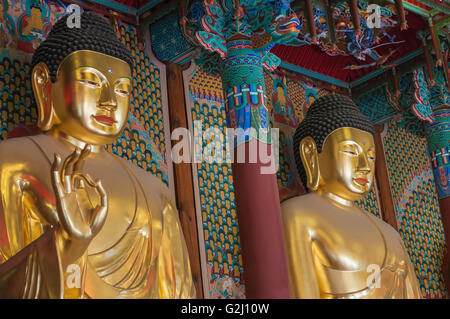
[(335, 198), (66, 138)]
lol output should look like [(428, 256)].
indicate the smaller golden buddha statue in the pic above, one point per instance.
[(75, 220), (334, 248)]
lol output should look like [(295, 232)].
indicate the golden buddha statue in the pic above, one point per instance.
[(62, 233), (334, 248)]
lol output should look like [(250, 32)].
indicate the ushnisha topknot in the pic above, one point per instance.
[(94, 34), (326, 115)]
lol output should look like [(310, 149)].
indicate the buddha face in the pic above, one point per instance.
[(345, 167), (90, 98)]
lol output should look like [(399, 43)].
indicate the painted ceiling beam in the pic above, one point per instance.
[(314, 75), (377, 72), (442, 22), (355, 83), (442, 6), (410, 7)]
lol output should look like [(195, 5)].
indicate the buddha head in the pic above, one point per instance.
[(334, 148), (81, 78)]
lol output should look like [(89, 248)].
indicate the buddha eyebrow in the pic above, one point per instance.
[(351, 141), (86, 66)]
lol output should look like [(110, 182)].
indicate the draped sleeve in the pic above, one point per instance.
[(34, 272), (29, 262), (173, 265)]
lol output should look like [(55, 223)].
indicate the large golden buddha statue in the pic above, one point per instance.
[(334, 248), (64, 234)]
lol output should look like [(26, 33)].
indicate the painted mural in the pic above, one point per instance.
[(23, 25), (416, 204), (216, 192), (283, 116)]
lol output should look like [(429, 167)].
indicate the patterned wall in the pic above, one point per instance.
[(374, 104), (143, 140), (22, 28), (216, 192), (416, 204)]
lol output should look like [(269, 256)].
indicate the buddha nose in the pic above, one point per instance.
[(363, 163), (107, 99), (109, 106)]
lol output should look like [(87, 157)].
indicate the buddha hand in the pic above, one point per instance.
[(79, 220)]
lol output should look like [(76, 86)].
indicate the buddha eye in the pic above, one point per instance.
[(90, 83), (350, 152), (122, 92)]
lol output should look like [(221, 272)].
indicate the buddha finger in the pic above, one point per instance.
[(100, 212), (56, 176), (78, 166), (77, 176), (69, 158), (68, 169), (67, 222), (77, 181)]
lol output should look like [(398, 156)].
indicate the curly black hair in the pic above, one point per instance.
[(94, 34), (325, 115)]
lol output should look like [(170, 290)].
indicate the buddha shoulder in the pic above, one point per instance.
[(19, 150), (307, 205)]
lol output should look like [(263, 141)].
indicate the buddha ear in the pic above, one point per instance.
[(310, 160), (42, 88)]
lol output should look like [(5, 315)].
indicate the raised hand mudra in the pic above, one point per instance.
[(78, 218)]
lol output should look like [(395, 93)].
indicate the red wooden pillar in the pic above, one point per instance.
[(260, 230), (257, 199)]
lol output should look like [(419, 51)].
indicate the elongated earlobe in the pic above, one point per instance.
[(42, 88), (310, 160)]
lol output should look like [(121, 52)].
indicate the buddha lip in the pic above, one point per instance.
[(361, 181), (104, 119)]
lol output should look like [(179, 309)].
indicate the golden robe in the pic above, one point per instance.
[(149, 260)]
